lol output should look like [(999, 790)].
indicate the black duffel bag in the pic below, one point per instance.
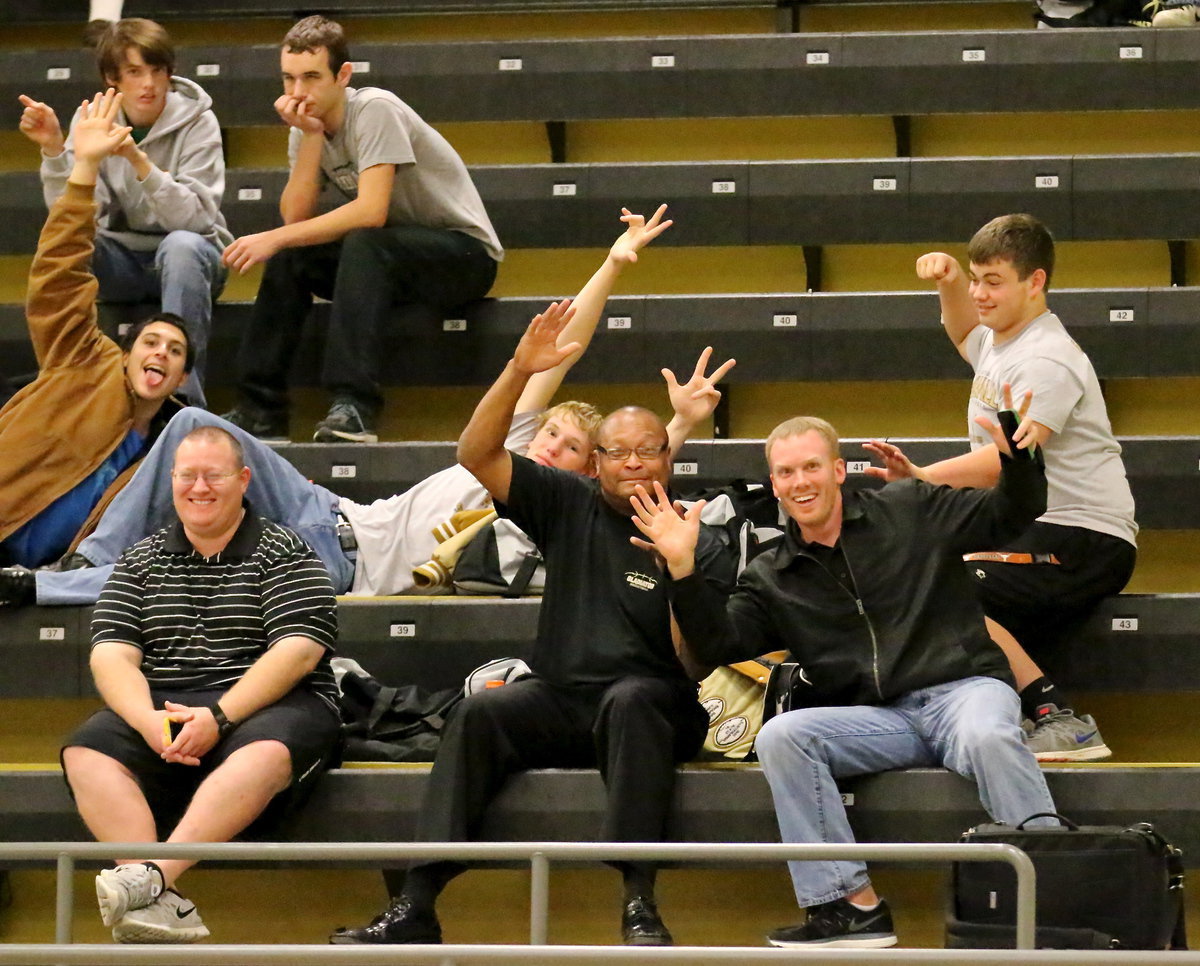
[(1098, 887)]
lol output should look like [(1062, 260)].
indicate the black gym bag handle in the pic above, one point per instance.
[(1062, 818)]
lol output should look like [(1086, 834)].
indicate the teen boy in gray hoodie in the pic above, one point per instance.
[(161, 231)]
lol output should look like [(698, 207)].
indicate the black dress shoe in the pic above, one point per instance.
[(401, 922), (641, 924), (17, 586)]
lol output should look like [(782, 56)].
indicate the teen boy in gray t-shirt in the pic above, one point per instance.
[(1043, 585), (412, 229)]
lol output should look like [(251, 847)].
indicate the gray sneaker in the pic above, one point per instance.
[(347, 422), (168, 919), (1060, 735), (129, 886)]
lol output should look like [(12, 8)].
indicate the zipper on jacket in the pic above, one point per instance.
[(862, 613), (870, 627)]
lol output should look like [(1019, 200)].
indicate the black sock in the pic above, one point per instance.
[(424, 883), (1036, 695)]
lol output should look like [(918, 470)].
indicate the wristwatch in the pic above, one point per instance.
[(224, 725)]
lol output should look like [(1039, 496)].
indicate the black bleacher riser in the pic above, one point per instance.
[(712, 805), (768, 75), (778, 337), (434, 643), (368, 473), (1134, 643)]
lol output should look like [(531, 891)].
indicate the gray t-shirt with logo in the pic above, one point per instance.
[(432, 186), (1085, 475)]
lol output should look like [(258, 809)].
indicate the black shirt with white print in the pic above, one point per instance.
[(605, 612)]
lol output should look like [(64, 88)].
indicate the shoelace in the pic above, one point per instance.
[(345, 410)]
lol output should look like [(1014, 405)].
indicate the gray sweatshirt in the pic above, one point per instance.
[(182, 192)]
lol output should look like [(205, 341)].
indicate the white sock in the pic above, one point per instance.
[(861, 908)]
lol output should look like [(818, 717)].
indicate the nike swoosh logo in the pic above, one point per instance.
[(863, 924), (1048, 687), (1087, 736), (184, 913)]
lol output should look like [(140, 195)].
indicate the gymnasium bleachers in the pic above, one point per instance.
[(791, 256)]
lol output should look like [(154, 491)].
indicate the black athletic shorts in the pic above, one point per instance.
[(1041, 603), (300, 720)]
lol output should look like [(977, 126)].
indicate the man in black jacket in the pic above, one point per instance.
[(868, 592)]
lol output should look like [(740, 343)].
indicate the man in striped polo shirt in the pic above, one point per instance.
[(210, 647)]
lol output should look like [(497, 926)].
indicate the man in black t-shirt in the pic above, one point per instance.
[(607, 688)]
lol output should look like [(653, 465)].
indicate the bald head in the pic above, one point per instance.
[(631, 417)]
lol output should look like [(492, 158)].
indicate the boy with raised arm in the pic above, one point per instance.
[(1039, 587)]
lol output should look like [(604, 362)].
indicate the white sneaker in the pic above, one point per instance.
[(168, 919), (129, 886)]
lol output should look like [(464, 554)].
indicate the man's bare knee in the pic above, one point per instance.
[(270, 761), (86, 764)]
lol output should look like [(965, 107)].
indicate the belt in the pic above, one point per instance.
[(996, 556), (345, 533)]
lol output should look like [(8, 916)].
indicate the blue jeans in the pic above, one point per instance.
[(184, 274), (970, 727), (278, 491)]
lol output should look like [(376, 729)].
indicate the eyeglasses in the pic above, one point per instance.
[(619, 454), (188, 478)]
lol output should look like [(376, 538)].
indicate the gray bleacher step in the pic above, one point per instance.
[(823, 202), (1134, 643), (776, 337), (763, 75), (714, 804)]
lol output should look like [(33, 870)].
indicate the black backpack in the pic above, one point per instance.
[(382, 723), (746, 516)]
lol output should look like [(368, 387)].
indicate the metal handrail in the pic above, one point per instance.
[(95, 954), (538, 854)]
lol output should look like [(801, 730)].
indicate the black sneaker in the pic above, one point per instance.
[(17, 586), (641, 925), (265, 424), (401, 922), (347, 422), (839, 924)]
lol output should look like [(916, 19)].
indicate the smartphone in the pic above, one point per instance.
[(171, 730)]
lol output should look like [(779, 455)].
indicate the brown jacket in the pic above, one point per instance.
[(62, 426)]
